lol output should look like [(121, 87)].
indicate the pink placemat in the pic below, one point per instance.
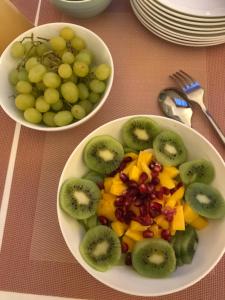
[(34, 257)]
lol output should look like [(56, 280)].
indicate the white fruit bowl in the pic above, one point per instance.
[(94, 43), (211, 244)]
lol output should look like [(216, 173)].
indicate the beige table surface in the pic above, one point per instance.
[(34, 258)]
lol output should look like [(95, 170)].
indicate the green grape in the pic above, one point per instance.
[(94, 97), (48, 118), (17, 50), (57, 106), (87, 105), (13, 76), (32, 115), (24, 101), (63, 117), (102, 72), (30, 63), (70, 92), (78, 112), (51, 80), (57, 43), (78, 43), (42, 49), (84, 56), (36, 74), (67, 33), (97, 86), (51, 96), (23, 75), (83, 91), (65, 71), (68, 57), (41, 105), (30, 49), (80, 68), (23, 87), (72, 78)]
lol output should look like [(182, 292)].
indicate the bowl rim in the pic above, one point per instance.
[(41, 127), (59, 218)]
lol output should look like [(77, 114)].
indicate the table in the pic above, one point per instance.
[(34, 258)]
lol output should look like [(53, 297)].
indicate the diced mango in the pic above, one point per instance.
[(178, 222), (135, 209), (134, 173), (166, 180), (162, 222), (199, 223), (176, 197), (189, 214), (136, 226), (132, 155), (156, 230), (171, 171), (145, 157), (106, 206), (108, 183), (129, 242), (171, 202), (129, 166), (119, 227), (134, 235), (118, 188)]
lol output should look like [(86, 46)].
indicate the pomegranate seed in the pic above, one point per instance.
[(172, 191), (122, 166), (157, 168), (152, 196), (155, 209), (103, 220), (113, 173), (128, 259), (180, 184), (169, 217), (146, 221), (148, 234), (143, 188), (119, 214), (124, 247), (124, 177), (155, 180), (127, 202), (143, 177), (159, 195), (152, 165), (165, 234), (133, 184), (150, 187), (100, 185), (138, 202), (165, 190), (143, 211), (132, 192), (127, 159), (119, 202), (154, 174), (156, 205)]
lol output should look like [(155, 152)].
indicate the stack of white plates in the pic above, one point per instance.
[(191, 23)]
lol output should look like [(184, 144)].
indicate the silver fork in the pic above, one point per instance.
[(194, 92)]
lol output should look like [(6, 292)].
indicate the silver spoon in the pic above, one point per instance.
[(174, 105)]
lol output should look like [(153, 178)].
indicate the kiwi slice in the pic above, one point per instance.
[(138, 133), (103, 154), (79, 197), (206, 200), (176, 244), (153, 258), (90, 222), (199, 170), (94, 176), (188, 245), (169, 148), (101, 248)]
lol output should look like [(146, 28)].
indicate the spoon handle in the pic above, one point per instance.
[(216, 127)]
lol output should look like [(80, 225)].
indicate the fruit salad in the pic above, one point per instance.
[(142, 201)]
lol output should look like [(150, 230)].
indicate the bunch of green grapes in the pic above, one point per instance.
[(56, 81)]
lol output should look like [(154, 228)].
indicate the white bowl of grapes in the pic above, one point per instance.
[(141, 205), (55, 76)]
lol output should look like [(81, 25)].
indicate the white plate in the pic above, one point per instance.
[(187, 16), (175, 32), (203, 8), (176, 23), (211, 241)]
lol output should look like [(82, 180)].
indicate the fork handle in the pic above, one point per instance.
[(216, 127)]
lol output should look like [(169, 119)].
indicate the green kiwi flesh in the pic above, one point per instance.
[(79, 197), (94, 176), (103, 154), (199, 170), (206, 200), (154, 258), (169, 148), (138, 133), (100, 248)]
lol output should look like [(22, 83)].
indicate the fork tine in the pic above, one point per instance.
[(185, 79), (178, 80), (188, 76)]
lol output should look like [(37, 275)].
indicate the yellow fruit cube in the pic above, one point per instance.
[(156, 230), (129, 166), (199, 223), (171, 171), (118, 188), (106, 206), (145, 157), (137, 226), (178, 222), (132, 155), (166, 180), (134, 235), (108, 183), (171, 202), (176, 197), (129, 242), (162, 222), (119, 227), (134, 173), (189, 214)]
